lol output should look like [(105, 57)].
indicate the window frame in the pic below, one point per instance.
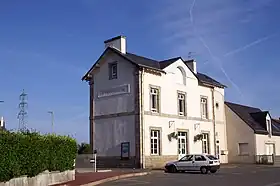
[(269, 127), (202, 105), (207, 142), (157, 94), (111, 66), (152, 142), (184, 95), (239, 149)]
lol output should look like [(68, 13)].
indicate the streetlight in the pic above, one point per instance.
[(51, 113)]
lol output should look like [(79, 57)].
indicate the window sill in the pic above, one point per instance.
[(243, 154), (155, 113)]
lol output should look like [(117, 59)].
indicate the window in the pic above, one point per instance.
[(199, 158), (211, 157), (205, 143), (155, 142), (187, 158), (113, 71), (154, 99), (203, 107), (243, 148), (268, 126), (181, 104)]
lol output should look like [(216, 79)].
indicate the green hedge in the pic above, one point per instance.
[(29, 153)]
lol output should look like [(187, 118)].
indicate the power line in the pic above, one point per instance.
[(22, 115)]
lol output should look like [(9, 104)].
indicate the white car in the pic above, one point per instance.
[(194, 162)]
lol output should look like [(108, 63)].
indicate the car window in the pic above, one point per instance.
[(199, 158), (187, 158), (211, 157)]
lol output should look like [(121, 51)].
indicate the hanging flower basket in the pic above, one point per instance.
[(198, 137), (172, 135)]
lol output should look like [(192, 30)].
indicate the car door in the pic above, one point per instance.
[(199, 160), (185, 163)]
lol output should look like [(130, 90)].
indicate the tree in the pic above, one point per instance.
[(84, 148)]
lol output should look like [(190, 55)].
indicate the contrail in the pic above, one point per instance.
[(210, 52), (245, 47)]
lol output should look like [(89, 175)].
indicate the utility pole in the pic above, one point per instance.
[(22, 115), (52, 116)]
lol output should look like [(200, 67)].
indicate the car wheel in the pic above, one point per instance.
[(204, 170), (213, 171), (173, 169)]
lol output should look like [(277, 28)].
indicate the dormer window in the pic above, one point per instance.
[(268, 127)]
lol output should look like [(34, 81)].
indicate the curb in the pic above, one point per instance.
[(116, 178)]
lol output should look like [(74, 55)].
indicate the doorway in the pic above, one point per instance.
[(182, 144)]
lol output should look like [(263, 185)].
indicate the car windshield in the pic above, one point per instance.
[(211, 157)]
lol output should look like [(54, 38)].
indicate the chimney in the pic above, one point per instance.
[(118, 43), (192, 65)]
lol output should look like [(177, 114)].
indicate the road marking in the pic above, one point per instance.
[(132, 182), (274, 184), (237, 173)]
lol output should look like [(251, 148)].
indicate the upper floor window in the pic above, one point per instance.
[(268, 126), (113, 70), (181, 104), (154, 99), (203, 107)]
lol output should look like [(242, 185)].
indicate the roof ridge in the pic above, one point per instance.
[(173, 58), (242, 105), (142, 57)]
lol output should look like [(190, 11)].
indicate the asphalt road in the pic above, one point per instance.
[(233, 176)]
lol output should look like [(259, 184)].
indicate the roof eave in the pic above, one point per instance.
[(211, 85)]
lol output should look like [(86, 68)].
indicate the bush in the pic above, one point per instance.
[(84, 148), (29, 153)]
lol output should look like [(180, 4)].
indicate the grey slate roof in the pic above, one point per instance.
[(254, 118), (158, 65)]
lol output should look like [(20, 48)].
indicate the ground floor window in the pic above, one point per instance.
[(205, 143), (155, 137)]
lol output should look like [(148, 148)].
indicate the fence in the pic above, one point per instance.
[(265, 159)]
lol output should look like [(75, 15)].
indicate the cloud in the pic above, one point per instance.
[(210, 28), (247, 46)]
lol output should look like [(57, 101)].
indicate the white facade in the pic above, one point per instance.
[(168, 120), (114, 111)]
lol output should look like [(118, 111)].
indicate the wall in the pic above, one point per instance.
[(169, 85), (113, 104), (238, 132), (42, 179), (113, 115), (111, 132)]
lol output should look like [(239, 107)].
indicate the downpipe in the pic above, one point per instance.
[(214, 120), (142, 159)]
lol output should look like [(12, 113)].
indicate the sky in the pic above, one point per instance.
[(47, 46)]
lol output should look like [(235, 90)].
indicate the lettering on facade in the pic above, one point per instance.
[(123, 89)]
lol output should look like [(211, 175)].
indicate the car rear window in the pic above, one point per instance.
[(211, 157)]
